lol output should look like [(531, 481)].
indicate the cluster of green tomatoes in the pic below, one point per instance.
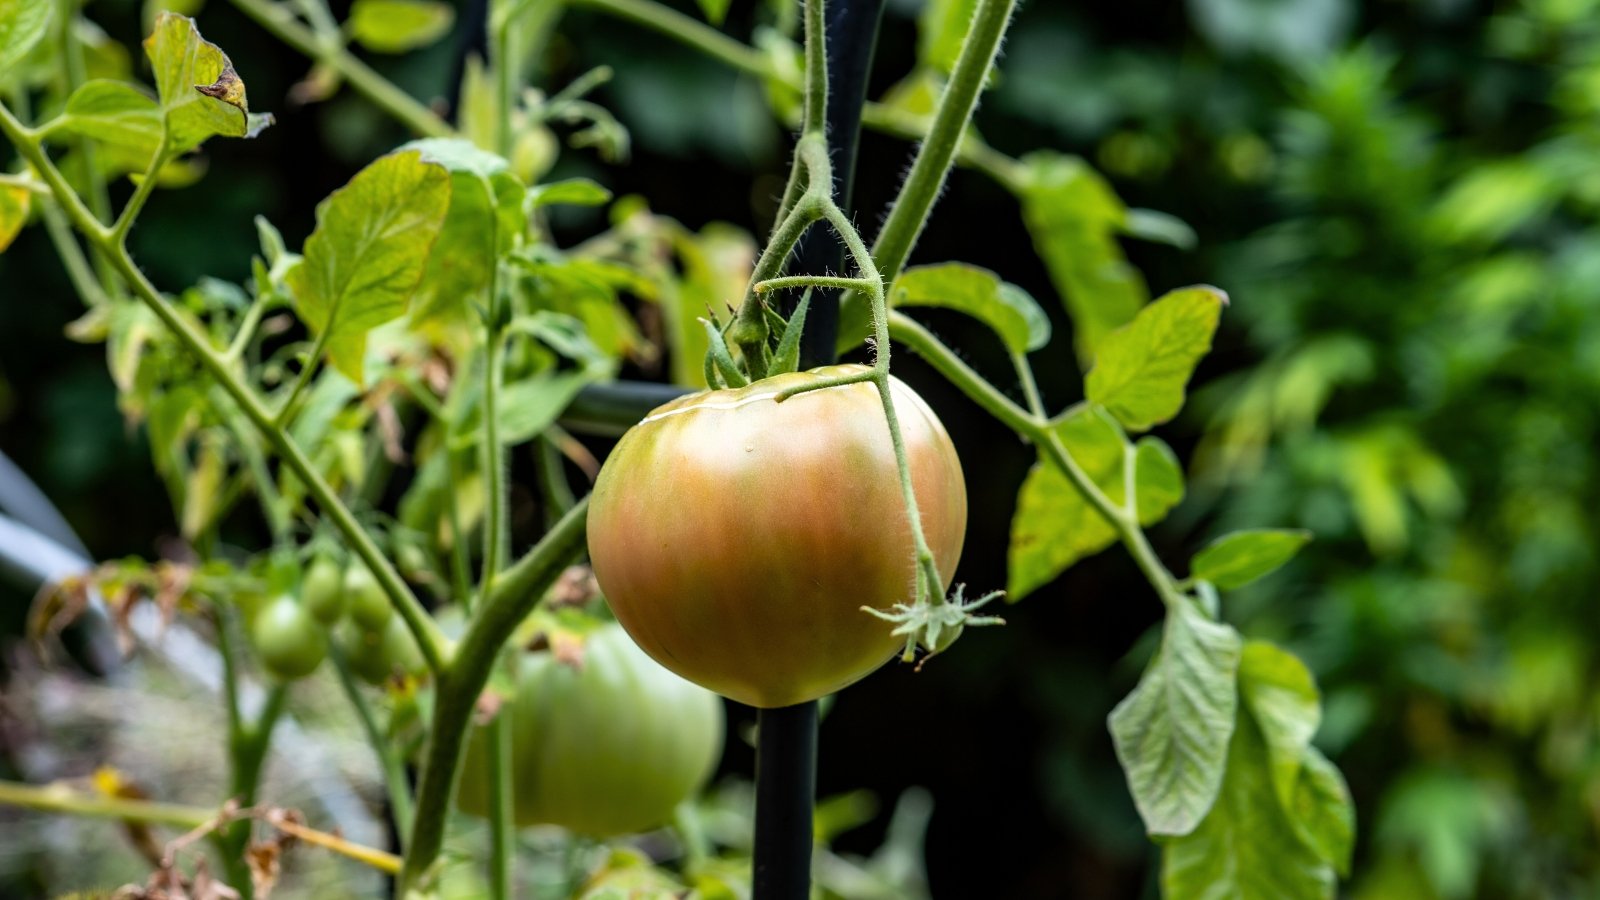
[(342, 605)]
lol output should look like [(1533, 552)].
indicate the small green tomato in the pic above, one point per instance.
[(289, 641)]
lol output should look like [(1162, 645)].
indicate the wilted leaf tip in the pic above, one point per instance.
[(228, 88)]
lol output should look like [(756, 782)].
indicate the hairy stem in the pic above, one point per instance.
[(909, 214), (509, 599)]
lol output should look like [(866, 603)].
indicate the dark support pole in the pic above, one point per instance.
[(786, 788), (852, 27), (786, 742)]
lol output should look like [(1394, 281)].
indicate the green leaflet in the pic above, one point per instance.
[(1247, 848), (1014, 315), (1172, 732), (367, 254), (1054, 526), (1283, 822), (1234, 560), (484, 216), (396, 26), (115, 113), (1141, 369), (23, 23), (940, 30), (201, 95), (1074, 218)]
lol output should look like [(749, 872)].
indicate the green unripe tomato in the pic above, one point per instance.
[(322, 591), (368, 604), (609, 748), (363, 652), (290, 643), (375, 657)]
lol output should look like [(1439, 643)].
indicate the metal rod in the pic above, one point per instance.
[(852, 33), (786, 788)]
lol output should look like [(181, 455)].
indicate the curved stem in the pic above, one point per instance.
[(72, 259), (909, 214), (687, 30), (509, 600), (1040, 431), (429, 639), (277, 19), (799, 281), (61, 799)]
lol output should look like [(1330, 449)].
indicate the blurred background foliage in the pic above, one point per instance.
[(1403, 200)]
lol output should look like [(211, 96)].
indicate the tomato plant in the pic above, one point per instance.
[(737, 537), (606, 744), (773, 538)]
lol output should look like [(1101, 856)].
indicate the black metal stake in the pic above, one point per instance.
[(786, 788), (786, 738)]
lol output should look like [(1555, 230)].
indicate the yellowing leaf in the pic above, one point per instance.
[(1141, 369), (201, 94), (1074, 218), (395, 26), (1054, 526), (367, 254), (14, 203)]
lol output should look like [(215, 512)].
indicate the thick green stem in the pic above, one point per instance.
[(502, 826), (411, 112), (815, 119), (502, 815), (909, 214), (431, 642), (510, 598)]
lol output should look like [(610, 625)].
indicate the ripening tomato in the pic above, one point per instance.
[(737, 538), (610, 747), (289, 641)]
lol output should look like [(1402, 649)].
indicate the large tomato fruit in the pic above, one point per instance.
[(737, 538), (609, 748)]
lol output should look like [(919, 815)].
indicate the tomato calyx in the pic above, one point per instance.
[(935, 626)]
